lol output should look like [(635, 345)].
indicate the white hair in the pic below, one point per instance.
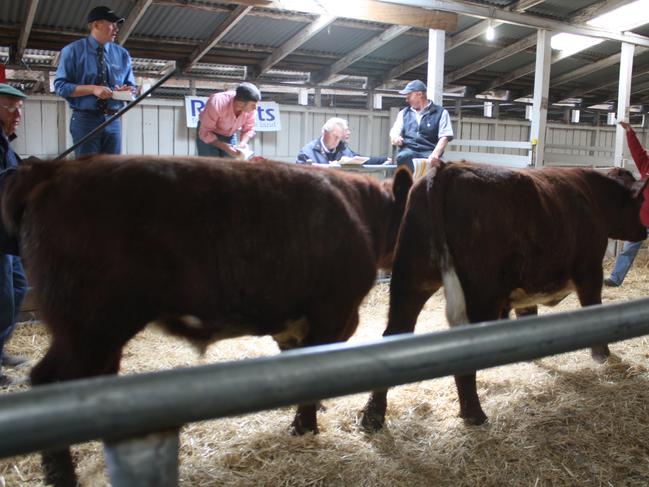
[(334, 122)]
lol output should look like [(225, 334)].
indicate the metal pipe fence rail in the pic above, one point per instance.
[(121, 410)]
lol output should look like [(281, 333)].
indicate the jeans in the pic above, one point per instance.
[(107, 141), (208, 150), (625, 260), (405, 156), (13, 287)]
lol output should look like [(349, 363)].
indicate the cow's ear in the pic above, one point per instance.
[(637, 188), (401, 183)]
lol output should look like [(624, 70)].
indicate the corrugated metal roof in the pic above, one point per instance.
[(338, 39), (12, 12), (173, 29), (399, 49), (179, 23), (269, 32), (68, 14)]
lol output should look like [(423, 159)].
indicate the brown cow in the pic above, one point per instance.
[(207, 248), (498, 239)]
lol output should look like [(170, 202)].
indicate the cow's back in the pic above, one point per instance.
[(226, 240)]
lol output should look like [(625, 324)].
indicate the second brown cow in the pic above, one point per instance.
[(207, 248), (498, 239)]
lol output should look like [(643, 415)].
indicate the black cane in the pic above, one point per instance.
[(118, 114)]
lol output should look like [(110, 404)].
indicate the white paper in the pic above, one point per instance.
[(358, 160), (122, 95)]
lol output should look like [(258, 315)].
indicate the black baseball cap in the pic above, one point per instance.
[(247, 92), (104, 13)]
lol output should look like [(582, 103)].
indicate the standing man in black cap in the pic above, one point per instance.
[(94, 74), (422, 129), (13, 284)]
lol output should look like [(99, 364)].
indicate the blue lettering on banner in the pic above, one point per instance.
[(197, 107), (267, 116)]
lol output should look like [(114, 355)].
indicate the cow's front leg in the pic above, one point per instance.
[(589, 291), (470, 410)]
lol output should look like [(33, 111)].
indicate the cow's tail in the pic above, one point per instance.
[(436, 188), (17, 188)]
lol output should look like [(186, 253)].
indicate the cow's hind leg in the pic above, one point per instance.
[(414, 280), (326, 325), (589, 291), (404, 310), (477, 311), (69, 360)]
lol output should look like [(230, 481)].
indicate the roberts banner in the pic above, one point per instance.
[(266, 119)]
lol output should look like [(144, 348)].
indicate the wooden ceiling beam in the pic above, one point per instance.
[(327, 75), (295, 42), (522, 45), (592, 67), (453, 41), (17, 55), (233, 19), (368, 10), (132, 19), (584, 15)]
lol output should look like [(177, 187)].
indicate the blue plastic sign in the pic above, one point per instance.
[(267, 118)]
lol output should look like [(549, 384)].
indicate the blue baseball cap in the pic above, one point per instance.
[(414, 85)]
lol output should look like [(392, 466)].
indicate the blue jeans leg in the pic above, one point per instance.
[(208, 150), (624, 261), (13, 287), (108, 141)]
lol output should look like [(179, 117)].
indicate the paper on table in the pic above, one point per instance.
[(122, 95), (353, 160)]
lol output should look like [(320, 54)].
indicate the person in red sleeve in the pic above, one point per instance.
[(625, 260)]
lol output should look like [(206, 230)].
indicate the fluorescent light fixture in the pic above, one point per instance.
[(624, 18), (490, 33)]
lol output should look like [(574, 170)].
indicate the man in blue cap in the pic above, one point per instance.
[(422, 129), (13, 284), (91, 74)]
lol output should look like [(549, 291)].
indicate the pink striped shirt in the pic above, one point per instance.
[(218, 118)]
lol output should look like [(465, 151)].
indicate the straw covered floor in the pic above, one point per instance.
[(558, 421)]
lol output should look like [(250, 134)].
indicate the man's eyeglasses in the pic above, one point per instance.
[(11, 109)]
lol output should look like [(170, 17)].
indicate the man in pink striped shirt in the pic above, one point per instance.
[(224, 114)]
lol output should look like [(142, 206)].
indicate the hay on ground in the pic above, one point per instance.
[(558, 421)]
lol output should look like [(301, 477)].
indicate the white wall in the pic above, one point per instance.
[(158, 126)]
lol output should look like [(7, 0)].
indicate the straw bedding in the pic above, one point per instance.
[(558, 421)]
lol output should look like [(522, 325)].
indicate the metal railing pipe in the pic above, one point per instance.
[(117, 407)]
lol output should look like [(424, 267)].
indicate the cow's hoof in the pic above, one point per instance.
[(600, 353), (299, 429), (372, 422), (474, 419)]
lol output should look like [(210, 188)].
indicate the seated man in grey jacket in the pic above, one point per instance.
[(331, 146)]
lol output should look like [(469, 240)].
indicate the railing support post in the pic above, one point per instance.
[(144, 461)]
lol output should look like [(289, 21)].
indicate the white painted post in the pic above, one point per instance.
[(302, 97), (623, 99), (541, 89), (377, 103), (435, 81)]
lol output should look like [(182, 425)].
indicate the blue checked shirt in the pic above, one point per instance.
[(78, 66)]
